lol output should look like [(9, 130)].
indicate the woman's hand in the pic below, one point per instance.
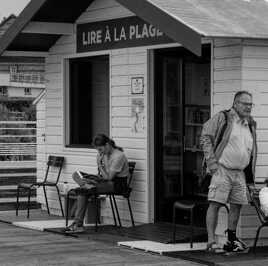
[(100, 160)]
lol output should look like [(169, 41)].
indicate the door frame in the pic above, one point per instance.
[(151, 118), (164, 196)]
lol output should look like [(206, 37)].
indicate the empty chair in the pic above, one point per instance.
[(54, 163)]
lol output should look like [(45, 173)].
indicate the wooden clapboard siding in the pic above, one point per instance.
[(123, 67), (226, 69), (248, 62), (255, 79), (124, 64)]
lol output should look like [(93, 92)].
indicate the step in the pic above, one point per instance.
[(7, 206), (12, 193), (17, 170), (15, 180)]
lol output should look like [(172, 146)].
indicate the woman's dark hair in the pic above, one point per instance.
[(102, 139)]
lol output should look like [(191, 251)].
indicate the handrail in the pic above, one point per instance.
[(27, 77)]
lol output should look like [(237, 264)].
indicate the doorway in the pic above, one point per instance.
[(181, 106)]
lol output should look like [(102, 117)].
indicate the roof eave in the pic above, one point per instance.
[(28, 12), (171, 26), (178, 31)]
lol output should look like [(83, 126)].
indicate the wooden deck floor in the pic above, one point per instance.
[(26, 247), (159, 232)]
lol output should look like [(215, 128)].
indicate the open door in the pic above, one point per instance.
[(181, 105), (168, 133)]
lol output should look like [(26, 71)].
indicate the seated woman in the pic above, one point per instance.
[(112, 163)]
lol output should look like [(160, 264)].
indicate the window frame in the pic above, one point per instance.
[(28, 91), (3, 91), (66, 97)]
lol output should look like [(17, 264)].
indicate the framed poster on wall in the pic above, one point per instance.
[(137, 85)]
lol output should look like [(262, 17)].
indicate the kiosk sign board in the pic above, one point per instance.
[(118, 33)]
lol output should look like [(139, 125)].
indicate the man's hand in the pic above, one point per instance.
[(213, 169)]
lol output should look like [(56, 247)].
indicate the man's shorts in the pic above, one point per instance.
[(228, 186)]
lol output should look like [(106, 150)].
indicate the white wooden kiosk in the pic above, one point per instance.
[(148, 73)]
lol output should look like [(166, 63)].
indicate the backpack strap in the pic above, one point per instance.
[(207, 177), (225, 112)]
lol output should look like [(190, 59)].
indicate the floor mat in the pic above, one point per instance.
[(41, 225), (161, 248), (201, 256)]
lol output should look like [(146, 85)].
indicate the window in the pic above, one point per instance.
[(3, 91), (87, 100), (27, 91)]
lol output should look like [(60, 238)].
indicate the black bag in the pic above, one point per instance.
[(205, 183), (120, 185)]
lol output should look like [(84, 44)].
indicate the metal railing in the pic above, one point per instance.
[(17, 140), (37, 78)]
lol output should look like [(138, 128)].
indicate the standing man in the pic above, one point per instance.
[(229, 144)]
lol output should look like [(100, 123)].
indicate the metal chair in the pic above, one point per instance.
[(188, 206), (54, 162), (185, 206), (125, 192), (254, 201), (121, 189)]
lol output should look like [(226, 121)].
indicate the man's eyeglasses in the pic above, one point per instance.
[(247, 104)]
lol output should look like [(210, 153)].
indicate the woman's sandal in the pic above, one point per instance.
[(214, 248), (74, 228)]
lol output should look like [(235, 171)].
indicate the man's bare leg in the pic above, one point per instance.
[(212, 220)]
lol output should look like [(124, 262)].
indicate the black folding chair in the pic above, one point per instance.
[(54, 162), (122, 188), (254, 200), (124, 191)]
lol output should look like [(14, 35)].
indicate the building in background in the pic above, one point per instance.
[(21, 82)]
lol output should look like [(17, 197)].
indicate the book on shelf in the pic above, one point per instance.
[(190, 138), (196, 114)]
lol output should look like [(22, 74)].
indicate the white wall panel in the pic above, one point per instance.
[(124, 64)]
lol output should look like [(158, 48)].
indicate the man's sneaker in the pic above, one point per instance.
[(235, 246), (74, 228)]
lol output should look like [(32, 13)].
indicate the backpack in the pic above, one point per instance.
[(207, 177)]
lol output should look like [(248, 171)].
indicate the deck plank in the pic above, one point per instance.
[(21, 246)]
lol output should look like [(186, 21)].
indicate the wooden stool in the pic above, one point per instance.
[(186, 206)]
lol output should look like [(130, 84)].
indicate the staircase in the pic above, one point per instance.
[(12, 173), (17, 152)]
